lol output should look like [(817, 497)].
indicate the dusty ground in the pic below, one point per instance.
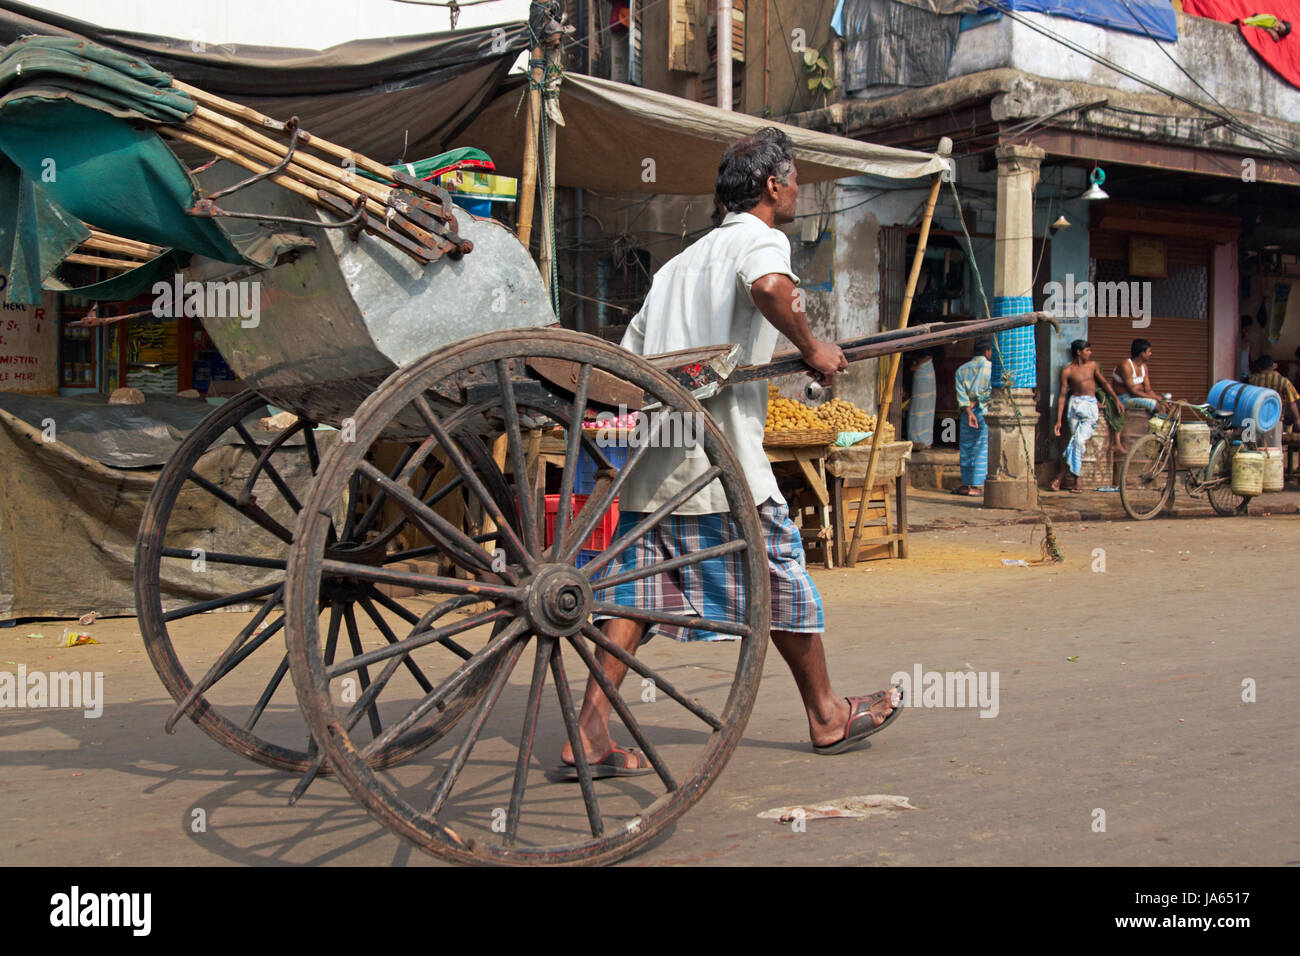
[(1119, 690)]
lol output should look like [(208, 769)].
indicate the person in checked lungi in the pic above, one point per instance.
[(1079, 381), (974, 392), (720, 290)]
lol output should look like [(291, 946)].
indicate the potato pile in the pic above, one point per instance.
[(838, 415), (785, 414), (844, 416)]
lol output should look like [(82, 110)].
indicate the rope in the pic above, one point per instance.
[(1052, 553)]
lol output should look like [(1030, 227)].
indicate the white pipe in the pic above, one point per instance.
[(724, 54)]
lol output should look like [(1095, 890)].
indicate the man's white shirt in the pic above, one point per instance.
[(702, 297)]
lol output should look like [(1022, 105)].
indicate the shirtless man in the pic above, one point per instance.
[(1132, 378), (1079, 382)]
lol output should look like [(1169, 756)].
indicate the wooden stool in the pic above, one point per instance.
[(881, 537)]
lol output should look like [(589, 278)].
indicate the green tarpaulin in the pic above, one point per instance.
[(78, 144)]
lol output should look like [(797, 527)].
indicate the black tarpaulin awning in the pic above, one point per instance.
[(392, 98)]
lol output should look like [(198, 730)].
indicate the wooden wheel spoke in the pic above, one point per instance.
[(350, 719), (363, 672), (575, 742), (377, 505), (651, 520), (476, 722), (239, 597), (659, 567), (661, 684), (373, 613), (222, 557), (249, 510), (458, 545), (544, 645), (586, 520), (332, 634), (571, 449), (667, 617), (349, 519), (421, 622), (515, 444), (421, 637), (313, 452), (264, 460), (457, 457), (447, 687), (271, 687), (216, 671), (624, 712), (486, 590)]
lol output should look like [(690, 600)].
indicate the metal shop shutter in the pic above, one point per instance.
[(1180, 352)]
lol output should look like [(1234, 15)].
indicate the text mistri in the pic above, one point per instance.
[(75, 908), (38, 690)]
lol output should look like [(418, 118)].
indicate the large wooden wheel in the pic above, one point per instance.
[(484, 793), (215, 536)]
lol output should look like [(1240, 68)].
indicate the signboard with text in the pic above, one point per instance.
[(29, 345)]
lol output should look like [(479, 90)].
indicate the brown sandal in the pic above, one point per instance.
[(861, 723)]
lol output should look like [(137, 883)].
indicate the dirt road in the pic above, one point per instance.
[(1118, 690)]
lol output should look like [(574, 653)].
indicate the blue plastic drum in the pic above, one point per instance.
[(1247, 402)]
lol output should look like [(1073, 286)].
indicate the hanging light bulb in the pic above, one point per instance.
[(1097, 177)]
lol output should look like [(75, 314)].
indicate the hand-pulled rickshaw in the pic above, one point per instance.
[(395, 546)]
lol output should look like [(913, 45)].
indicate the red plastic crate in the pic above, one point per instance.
[(600, 539)]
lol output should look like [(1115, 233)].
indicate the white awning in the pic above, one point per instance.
[(611, 129)]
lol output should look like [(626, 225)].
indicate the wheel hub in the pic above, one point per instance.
[(559, 600)]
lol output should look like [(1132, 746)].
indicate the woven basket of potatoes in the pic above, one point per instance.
[(793, 423)]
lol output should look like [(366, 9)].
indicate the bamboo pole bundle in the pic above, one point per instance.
[(317, 169)]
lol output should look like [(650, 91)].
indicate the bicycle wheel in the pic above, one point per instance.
[(1218, 483), (1146, 481)]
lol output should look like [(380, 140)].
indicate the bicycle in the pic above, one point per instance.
[(1148, 475)]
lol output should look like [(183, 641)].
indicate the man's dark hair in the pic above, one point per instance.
[(1077, 346), (1283, 28), (1138, 347), (1264, 364), (983, 345), (746, 165)]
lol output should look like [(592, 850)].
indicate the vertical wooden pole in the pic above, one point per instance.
[(546, 255), (882, 409), (528, 188)]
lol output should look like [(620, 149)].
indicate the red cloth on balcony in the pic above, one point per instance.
[(1282, 55)]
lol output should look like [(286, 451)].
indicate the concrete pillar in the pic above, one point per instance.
[(1012, 417)]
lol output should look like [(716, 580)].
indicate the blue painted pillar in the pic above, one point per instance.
[(1012, 417)]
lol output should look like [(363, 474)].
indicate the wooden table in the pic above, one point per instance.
[(809, 463)]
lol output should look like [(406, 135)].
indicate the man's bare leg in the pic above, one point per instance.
[(804, 654), (828, 713), (593, 720)]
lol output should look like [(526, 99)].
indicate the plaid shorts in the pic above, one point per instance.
[(714, 588)]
